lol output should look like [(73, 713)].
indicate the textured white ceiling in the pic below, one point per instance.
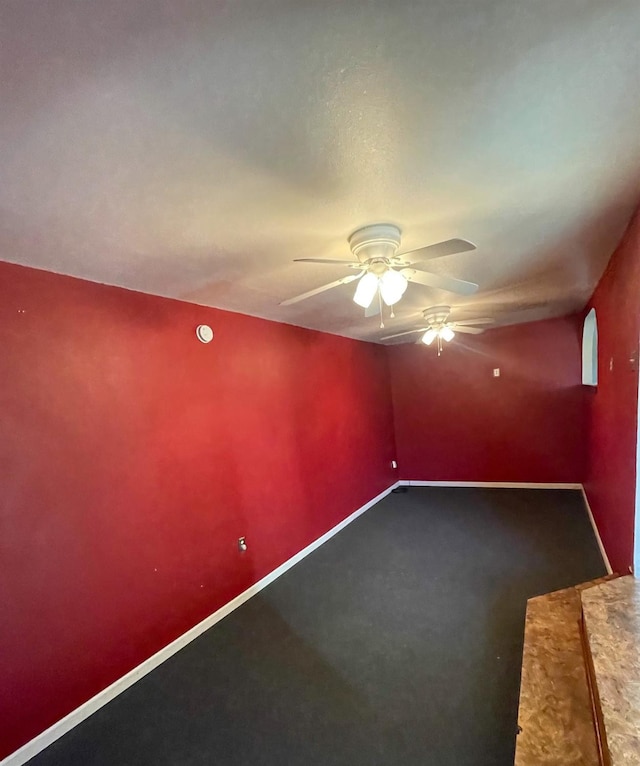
[(193, 149)]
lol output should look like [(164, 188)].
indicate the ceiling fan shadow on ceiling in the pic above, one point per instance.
[(383, 273), (440, 327)]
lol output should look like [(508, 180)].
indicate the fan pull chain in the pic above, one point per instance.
[(380, 306)]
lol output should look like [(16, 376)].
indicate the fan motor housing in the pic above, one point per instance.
[(381, 240), (436, 315)]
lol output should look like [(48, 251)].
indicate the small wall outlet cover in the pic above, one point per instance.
[(394, 464), (242, 543), (496, 372)]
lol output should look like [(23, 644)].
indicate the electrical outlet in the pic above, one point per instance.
[(242, 543), (496, 372), (394, 464)]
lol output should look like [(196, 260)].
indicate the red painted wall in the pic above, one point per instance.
[(456, 422), (132, 457), (612, 408)]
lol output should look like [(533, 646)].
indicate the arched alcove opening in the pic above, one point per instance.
[(590, 350)]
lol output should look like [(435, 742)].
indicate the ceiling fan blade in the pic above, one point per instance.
[(326, 260), (407, 332), (440, 249), (318, 290), (440, 282), (373, 309), (470, 330), (483, 320)]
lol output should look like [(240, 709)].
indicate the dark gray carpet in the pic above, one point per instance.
[(397, 642)]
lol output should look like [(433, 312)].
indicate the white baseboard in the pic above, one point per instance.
[(603, 552), (489, 484), (54, 732)]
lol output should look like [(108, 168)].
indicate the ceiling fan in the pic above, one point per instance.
[(440, 328), (385, 273)]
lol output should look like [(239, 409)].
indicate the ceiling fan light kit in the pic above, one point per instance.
[(446, 333), (386, 273), (366, 290), (392, 286), (429, 336), (375, 248)]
